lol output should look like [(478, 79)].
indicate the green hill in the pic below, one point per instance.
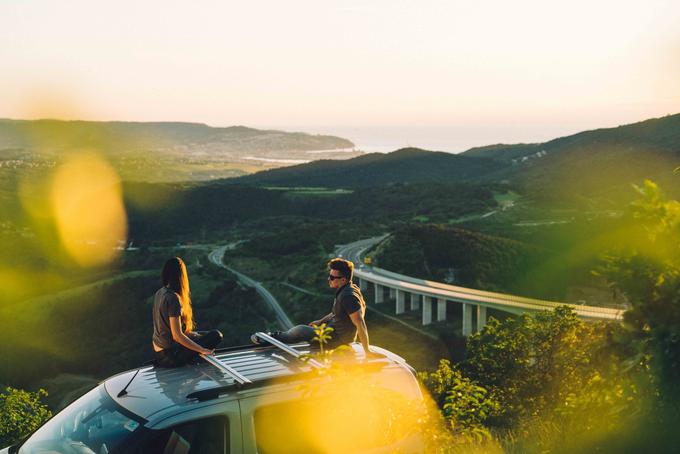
[(661, 133), (596, 166), (161, 151), (589, 168), (408, 165), (504, 152), (119, 135), (188, 211)]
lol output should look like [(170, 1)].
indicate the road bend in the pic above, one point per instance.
[(446, 292), (215, 256)]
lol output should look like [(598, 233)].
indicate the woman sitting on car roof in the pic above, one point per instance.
[(174, 341)]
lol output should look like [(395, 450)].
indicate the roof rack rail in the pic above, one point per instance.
[(210, 393), (233, 373), (214, 393), (234, 348), (287, 349)]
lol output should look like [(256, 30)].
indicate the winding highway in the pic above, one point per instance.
[(215, 256), (446, 292)]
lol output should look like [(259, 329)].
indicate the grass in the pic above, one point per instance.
[(309, 191), (507, 199)]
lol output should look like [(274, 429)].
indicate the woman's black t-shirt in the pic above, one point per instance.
[(165, 305)]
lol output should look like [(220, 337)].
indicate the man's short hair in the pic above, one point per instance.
[(344, 266)]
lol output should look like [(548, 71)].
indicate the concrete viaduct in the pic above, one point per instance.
[(432, 297)]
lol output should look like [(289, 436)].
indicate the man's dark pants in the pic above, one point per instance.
[(305, 333)]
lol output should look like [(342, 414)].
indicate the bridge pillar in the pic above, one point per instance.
[(401, 302), (441, 310), (467, 319), (393, 293), (481, 317), (363, 284), (379, 294), (415, 301), (427, 310)]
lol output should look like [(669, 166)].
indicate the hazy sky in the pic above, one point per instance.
[(444, 74)]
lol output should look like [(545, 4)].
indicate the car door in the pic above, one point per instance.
[(298, 419), (214, 429)]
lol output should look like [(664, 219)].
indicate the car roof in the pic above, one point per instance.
[(155, 392)]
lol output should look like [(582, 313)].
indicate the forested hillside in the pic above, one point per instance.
[(584, 170), (471, 259), (593, 168), (408, 165), (186, 212)]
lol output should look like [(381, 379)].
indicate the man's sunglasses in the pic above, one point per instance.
[(332, 278)]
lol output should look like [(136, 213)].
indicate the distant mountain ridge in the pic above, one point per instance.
[(164, 151), (22, 133), (663, 133), (600, 163), (407, 165)]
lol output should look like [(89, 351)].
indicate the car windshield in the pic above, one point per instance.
[(91, 424)]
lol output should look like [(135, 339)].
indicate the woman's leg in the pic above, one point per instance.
[(179, 355), (208, 339)]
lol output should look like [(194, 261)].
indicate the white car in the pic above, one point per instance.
[(258, 399)]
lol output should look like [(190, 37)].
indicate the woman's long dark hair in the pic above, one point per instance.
[(175, 277)]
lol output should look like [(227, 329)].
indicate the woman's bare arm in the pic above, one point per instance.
[(182, 339)]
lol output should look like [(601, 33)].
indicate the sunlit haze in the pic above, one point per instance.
[(437, 74)]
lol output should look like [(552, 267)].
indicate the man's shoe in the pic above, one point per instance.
[(256, 340)]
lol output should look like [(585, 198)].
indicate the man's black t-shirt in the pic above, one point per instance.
[(348, 299)]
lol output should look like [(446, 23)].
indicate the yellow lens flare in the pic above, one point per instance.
[(342, 412), (87, 205)]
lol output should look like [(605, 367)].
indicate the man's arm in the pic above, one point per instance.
[(358, 319), (323, 319)]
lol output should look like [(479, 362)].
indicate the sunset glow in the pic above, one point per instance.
[(417, 73)]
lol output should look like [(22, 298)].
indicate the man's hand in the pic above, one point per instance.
[(207, 351)]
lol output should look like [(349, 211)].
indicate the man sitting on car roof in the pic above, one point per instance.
[(346, 316)]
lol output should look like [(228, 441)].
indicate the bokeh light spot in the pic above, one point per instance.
[(88, 209)]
